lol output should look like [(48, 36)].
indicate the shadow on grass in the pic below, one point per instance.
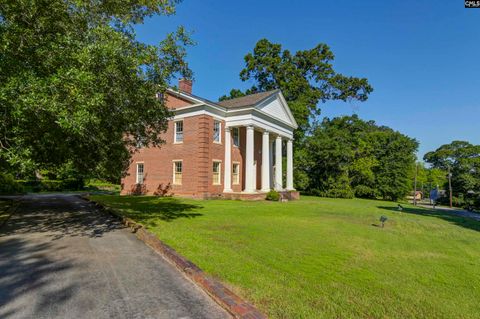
[(447, 216), (147, 210)]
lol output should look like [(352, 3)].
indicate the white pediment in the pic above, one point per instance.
[(276, 107)]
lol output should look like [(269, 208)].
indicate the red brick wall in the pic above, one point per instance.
[(158, 162), (197, 153), (173, 102)]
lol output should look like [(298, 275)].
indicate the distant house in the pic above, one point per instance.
[(230, 149), (418, 195)]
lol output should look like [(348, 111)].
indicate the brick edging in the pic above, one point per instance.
[(228, 300)]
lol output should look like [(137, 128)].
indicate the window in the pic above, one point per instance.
[(140, 174), (177, 172), (236, 136), (179, 132), (216, 173), (216, 131), (236, 174)]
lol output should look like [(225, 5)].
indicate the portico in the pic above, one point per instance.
[(266, 125), (271, 171)]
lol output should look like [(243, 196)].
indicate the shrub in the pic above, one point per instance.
[(315, 192), (8, 185), (362, 191), (138, 189), (273, 195), (476, 203), (459, 201), (163, 191), (50, 185)]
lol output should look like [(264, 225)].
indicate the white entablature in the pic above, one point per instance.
[(265, 111)]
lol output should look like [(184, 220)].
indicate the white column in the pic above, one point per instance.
[(278, 164), (249, 169), (290, 165), (227, 176), (272, 182), (265, 162)]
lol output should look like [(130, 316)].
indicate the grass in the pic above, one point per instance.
[(99, 185), (325, 258)]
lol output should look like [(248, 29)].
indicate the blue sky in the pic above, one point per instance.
[(421, 57)]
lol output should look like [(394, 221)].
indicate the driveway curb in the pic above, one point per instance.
[(228, 300)]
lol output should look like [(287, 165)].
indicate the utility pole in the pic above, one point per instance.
[(415, 186), (450, 185)]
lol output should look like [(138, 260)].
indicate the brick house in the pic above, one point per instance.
[(230, 149)]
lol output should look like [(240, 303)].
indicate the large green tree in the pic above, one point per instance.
[(77, 88), (346, 157), (306, 78), (463, 159)]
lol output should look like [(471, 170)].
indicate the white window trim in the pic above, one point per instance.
[(219, 172), (175, 132), (219, 130), (173, 172), (239, 167), (233, 138), (136, 173)]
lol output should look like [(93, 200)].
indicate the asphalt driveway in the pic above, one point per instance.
[(59, 258)]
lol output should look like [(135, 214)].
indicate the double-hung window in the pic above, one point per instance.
[(216, 172), (236, 173), (217, 126), (140, 173), (178, 138), (177, 172), (236, 136)]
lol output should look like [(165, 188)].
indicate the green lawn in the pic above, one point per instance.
[(325, 258)]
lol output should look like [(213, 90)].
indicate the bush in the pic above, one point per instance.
[(460, 201), (138, 189), (273, 196), (47, 185), (163, 191), (362, 191), (8, 185), (476, 203)]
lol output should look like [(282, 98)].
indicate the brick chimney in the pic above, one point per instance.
[(185, 85)]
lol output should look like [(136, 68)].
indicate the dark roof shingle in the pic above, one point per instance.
[(247, 100)]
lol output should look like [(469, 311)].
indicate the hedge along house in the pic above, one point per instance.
[(231, 149)]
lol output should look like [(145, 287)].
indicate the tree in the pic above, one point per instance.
[(76, 88), (349, 157), (429, 178), (463, 159), (306, 78)]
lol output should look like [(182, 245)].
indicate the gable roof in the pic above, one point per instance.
[(270, 104), (248, 100)]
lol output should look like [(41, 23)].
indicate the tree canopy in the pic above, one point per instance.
[(306, 78), (463, 159), (347, 157), (74, 82)]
